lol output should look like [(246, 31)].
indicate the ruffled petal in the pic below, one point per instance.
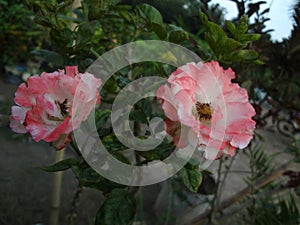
[(223, 127), (17, 119), (46, 104)]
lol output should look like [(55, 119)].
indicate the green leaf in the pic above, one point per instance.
[(216, 38), (178, 36), (51, 5), (247, 38), (259, 62), (124, 11), (160, 152), (43, 21), (90, 178), (121, 157), (112, 143), (101, 118), (86, 62), (227, 49), (146, 105), (49, 56), (231, 45), (86, 31), (203, 18), (153, 18), (118, 209), (149, 155), (63, 38), (110, 86), (191, 178), (231, 27), (159, 29), (216, 32), (122, 81), (242, 25), (137, 71), (138, 116), (151, 14), (62, 165), (245, 54)]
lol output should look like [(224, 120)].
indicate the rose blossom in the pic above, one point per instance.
[(201, 98), (44, 105)]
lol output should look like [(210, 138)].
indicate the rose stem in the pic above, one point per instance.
[(242, 194)]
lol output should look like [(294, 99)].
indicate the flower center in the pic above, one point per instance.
[(204, 111), (64, 111), (64, 108)]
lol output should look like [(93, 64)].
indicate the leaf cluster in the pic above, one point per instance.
[(230, 48)]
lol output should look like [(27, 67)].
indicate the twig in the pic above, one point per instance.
[(262, 195), (214, 203), (252, 191), (227, 171), (242, 194)]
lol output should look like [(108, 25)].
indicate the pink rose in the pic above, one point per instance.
[(44, 105), (202, 98)]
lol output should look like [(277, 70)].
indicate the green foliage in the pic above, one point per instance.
[(90, 178), (138, 116), (181, 12), (85, 174), (101, 118), (150, 14), (62, 165), (279, 77), (119, 208), (273, 203), (18, 32), (191, 176), (277, 211), (226, 49), (177, 34), (161, 152), (112, 143), (261, 163), (49, 56), (99, 26)]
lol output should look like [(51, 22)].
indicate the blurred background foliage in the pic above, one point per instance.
[(62, 34), (102, 25), (19, 34)]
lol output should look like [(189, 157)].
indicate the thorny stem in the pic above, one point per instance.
[(216, 195), (94, 53), (73, 213), (227, 171)]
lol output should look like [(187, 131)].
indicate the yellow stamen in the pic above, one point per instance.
[(204, 111)]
